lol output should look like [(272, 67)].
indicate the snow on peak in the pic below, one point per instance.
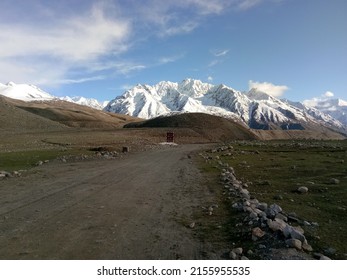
[(90, 102), (336, 108), (256, 109), (24, 92), (256, 94)]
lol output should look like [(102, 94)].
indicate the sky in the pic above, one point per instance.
[(294, 49)]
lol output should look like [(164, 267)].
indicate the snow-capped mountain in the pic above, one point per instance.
[(337, 108), (255, 109), (90, 102), (29, 93), (24, 92)]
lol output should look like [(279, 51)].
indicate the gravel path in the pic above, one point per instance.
[(135, 207)]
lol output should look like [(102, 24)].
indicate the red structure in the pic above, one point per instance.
[(169, 137)]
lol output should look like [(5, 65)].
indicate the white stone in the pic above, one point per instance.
[(303, 190), (294, 243)]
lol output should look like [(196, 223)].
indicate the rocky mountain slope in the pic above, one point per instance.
[(256, 109), (337, 108)]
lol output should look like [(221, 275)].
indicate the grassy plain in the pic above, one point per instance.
[(274, 170)]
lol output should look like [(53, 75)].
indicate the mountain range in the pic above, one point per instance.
[(26, 92), (255, 109), (336, 108)]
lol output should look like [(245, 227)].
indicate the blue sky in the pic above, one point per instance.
[(296, 49)]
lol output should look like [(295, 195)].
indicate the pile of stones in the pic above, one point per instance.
[(5, 174), (263, 219)]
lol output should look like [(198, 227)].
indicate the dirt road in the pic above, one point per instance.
[(136, 207)]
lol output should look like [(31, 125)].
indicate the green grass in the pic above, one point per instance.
[(275, 169), (18, 160)]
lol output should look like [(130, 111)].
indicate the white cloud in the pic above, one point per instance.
[(220, 52), (247, 4), (170, 59), (316, 100), (45, 53), (186, 27), (48, 46), (80, 80), (214, 62), (210, 78), (328, 94), (269, 88)]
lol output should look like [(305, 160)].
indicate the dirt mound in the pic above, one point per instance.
[(210, 127)]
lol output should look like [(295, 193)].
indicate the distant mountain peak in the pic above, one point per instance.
[(27, 92), (10, 84), (255, 109), (337, 108), (24, 92)]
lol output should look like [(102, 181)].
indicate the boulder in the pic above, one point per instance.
[(257, 233), (233, 255), (294, 243), (238, 251), (272, 210), (262, 206), (276, 224), (281, 217), (302, 189), (334, 181)]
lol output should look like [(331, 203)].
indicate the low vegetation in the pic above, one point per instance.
[(275, 170)]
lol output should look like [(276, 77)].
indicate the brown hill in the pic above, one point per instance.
[(15, 119), (210, 127), (59, 114)]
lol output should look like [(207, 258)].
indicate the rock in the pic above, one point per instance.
[(278, 197), (334, 181), (250, 252), (262, 206), (276, 224), (244, 258), (125, 150), (294, 233), (307, 247), (287, 231), (192, 225), (330, 251), (302, 190), (324, 258), (253, 215), (299, 229), (293, 217), (233, 255), (294, 243), (237, 206), (257, 233), (272, 210), (39, 163), (238, 251), (281, 217), (245, 193)]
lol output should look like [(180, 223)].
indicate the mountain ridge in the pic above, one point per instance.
[(28, 93), (256, 109)]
